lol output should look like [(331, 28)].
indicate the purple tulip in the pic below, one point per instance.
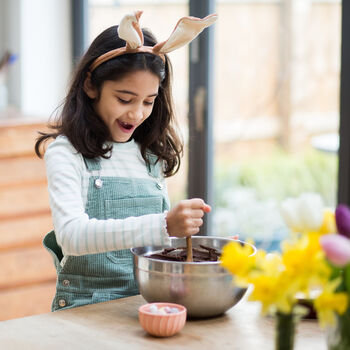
[(342, 218), (337, 248)]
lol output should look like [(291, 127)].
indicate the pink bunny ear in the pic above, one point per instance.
[(186, 29)]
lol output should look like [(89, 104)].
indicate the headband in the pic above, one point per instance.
[(186, 29)]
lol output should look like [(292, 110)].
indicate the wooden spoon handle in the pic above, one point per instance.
[(189, 249)]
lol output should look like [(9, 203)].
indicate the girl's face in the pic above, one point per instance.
[(124, 104)]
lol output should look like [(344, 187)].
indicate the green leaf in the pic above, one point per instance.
[(336, 272), (347, 278)]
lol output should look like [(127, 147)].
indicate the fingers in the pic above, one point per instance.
[(194, 208), (192, 231), (190, 224), (197, 222), (235, 237), (198, 203), (197, 213), (207, 208)]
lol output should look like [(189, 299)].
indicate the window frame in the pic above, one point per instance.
[(344, 122)]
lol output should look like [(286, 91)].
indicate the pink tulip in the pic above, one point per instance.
[(337, 248), (342, 218)]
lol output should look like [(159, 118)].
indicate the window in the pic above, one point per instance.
[(276, 104), (277, 111)]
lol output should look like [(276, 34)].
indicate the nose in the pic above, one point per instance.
[(136, 113)]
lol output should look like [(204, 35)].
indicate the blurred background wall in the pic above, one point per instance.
[(39, 33)]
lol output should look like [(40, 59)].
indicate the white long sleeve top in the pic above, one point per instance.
[(68, 181)]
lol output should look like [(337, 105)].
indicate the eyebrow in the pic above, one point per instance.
[(133, 93)]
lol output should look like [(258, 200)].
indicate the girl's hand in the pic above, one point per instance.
[(186, 217)]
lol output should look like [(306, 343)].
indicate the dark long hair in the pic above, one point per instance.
[(87, 132)]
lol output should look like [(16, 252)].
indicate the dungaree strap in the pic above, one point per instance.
[(152, 167), (92, 164)]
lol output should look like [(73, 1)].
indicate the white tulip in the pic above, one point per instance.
[(310, 211), (303, 213), (289, 212)]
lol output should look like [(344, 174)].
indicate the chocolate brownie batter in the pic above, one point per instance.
[(200, 254)]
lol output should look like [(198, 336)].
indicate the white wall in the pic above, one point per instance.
[(2, 27), (11, 36), (39, 31)]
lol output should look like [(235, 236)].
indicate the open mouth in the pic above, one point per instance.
[(125, 126)]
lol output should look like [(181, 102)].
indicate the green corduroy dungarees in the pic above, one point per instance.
[(94, 278)]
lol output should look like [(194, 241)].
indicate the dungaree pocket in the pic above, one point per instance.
[(127, 207), (137, 206)]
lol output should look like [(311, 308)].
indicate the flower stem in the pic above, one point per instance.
[(285, 329), (339, 336)]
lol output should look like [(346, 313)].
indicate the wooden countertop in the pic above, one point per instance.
[(114, 325)]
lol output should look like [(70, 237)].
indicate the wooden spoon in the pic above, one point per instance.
[(189, 249), (189, 258)]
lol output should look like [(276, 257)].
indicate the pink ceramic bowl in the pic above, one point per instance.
[(161, 325)]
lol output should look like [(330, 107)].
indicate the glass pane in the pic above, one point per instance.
[(160, 18), (276, 111)]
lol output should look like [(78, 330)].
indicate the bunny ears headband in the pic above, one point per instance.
[(186, 29)]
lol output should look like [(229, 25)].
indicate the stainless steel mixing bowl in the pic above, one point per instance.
[(204, 288)]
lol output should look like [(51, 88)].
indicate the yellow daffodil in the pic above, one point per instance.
[(267, 291), (274, 291), (328, 224), (304, 262), (328, 303), (238, 258), (271, 263)]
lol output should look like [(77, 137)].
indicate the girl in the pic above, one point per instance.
[(113, 146)]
